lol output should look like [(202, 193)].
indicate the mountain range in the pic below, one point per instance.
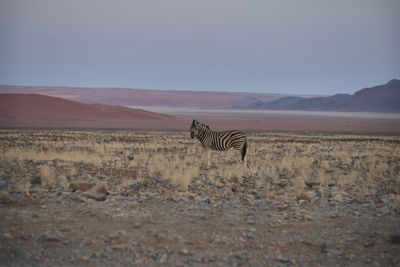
[(145, 97), (381, 98)]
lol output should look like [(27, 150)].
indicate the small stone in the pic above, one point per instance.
[(387, 198), (95, 196), (306, 195), (51, 236), (369, 244), (185, 251), (119, 247), (395, 238), (202, 199), (81, 186), (311, 182), (141, 261), (8, 236), (85, 258), (136, 225), (250, 221), (324, 247), (163, 259), (99, 188), (118, 234), (97, 192), (5, 197), (218, 184), (335, 253), (37, 180), (250, 235), (3, 184), (338, 198)]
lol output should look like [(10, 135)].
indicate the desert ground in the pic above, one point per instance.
[(116, 198)]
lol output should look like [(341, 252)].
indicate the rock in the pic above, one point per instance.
[(141, 261), (118, 234), (5, 197), (338, 198), (395, 238), (36, 180), (51, 236), (250, 235), (369, 244), (323, 247), (335, 252), (202, 199), (99, 188), (81, 186), (85, 258), (119, 247), (387, 198), (98, 197), (218, 184), (8, 236), (3, 184), (251, 222), (97, 192), (185, 251), (306, 195), (136, 225), (76, 196), (163, 258), (311, 182)]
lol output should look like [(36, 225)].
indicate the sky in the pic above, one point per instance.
[(285, 46)]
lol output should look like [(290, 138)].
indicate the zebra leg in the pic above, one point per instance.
[(208, 158)]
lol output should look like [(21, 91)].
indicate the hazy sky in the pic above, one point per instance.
[(282, 46)]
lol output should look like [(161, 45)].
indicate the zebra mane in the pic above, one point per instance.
[(206, 126), (200, 124)]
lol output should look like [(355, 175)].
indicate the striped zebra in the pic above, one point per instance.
[(221, 141)]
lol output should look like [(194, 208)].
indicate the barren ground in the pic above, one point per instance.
[(303, 199)]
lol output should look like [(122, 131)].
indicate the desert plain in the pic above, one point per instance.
[(113, 197)]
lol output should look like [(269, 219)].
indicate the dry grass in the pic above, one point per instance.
[(345, 165)]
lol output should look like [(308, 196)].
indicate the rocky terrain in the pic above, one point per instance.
[(147, 198)]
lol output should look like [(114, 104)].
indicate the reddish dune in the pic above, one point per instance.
[(40, 109)]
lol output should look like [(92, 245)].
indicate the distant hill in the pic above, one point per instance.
[(382, 98), (141, 97), (276, 104), (23, 109)]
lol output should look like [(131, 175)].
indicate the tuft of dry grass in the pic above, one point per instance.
[(50, 178)]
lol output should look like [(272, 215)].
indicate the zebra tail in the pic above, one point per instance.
[(244, 149)]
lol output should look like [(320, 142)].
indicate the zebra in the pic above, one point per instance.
[(221, 141)]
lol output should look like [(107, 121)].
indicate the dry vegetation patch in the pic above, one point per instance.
[(329, 167)]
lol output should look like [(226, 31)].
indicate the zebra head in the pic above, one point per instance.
[(196, 128)]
